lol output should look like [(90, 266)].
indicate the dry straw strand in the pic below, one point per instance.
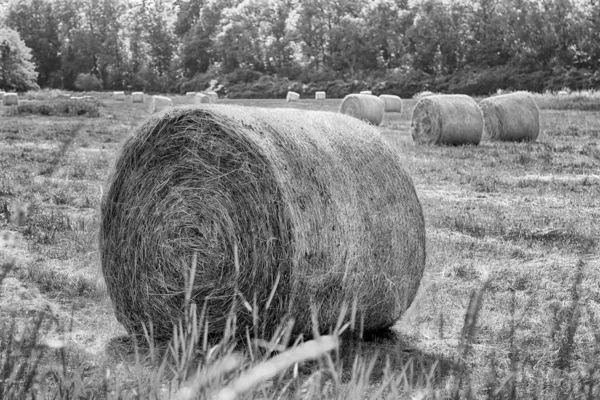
[(453, 119), (10, 99), (511, 117), (392, 103), (364, 107), (298, 192), (292, 96)]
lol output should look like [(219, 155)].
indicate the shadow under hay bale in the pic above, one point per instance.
[(453, 119), (511, 117), (365, 107), (317, 204)]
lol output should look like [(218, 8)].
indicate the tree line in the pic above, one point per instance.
[(268, 46)]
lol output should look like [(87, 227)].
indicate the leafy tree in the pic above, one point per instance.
[(17, 71)]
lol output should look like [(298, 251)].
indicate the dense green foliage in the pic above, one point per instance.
[(259, 48)]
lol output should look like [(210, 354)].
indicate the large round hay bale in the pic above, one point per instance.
[(447, 119), (511, 117), (298, 193), (392, 103), (320, 95), (292, 96), (137, 97), (363, 106), (10, 99), (119, 96), (160, 102), (201, 98)]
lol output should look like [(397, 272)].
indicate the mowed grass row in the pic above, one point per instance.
[(519, 219)]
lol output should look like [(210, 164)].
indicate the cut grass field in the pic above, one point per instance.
[(516, 224)]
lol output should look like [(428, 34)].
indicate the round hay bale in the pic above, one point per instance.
[(425, 93), (190, 94), (511, 117), (201, 98), (137, 97), (159, 102), (292, 96), (119, 96), (212, 96), (453, 119), (392, 103), (363, 106), (298, 193), (320, 95), (366, 92), (10, 99)]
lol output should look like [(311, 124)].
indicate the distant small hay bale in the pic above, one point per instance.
[(201, 98), (366, 92), (320, 95), (511, 117), (563, 93), (453, 119), (119, 96), (212, 96), (292, 96), (190, 94), (366, 107), (281, 185), (392, 103), (137, 97), (426, 93), (160, 102), (10, 99)]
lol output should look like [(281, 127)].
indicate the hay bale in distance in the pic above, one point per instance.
[(366, 107), (159, 102), (137, 97), (562, 93), (320, 95), (10, 99), (212, 96), (292, 96), (366, 92), (447, 119), (511, 117), (190, 94), (282, 186), (119, 96), (392, 103), (201, 98), (425, 93)]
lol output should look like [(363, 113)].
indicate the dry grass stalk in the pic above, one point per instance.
[(119, 96), (363, 106), (320, 95), (299, 194), (137, 97), (453, 119), (511, 117), (392, 103), (10, 99), (292, 96), (159, 102)]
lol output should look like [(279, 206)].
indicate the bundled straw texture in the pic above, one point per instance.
[(363, 106), (511, 117), (317, 204), (292, 96), (447, 119), (320, 95), (137, 97), (10, 99), (201, 98), (159, 102), (119, 96), (392, 103)]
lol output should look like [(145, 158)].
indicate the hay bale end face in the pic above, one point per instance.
[(212, 96), (511, 117), (201, 98), (10, 99), (452, 119), (119, 96), (137, 97), (364, 107), (392, 103), (292, 96), (320, 95), (281, 185)]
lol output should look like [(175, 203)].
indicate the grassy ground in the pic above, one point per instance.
[(517, 223)]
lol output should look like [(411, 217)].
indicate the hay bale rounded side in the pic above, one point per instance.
[(201, 98), (452, 119), (392, 103), (190, 94), (320, 95), (511, 117), (292, 96), (10, 99), (137, 97), (366, 92), (160, 102), (119, 96), (363, 106), (297, 192)]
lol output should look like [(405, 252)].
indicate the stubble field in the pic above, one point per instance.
[(515, 223)]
